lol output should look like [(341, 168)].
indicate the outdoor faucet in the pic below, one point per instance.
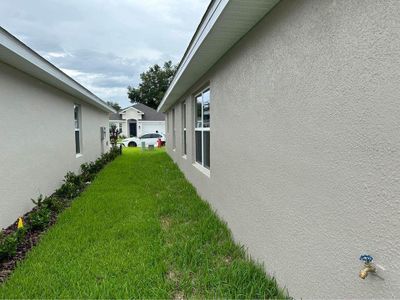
[(368, 266)]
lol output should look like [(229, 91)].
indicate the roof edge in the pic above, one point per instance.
[(213, 21), (15, 53)]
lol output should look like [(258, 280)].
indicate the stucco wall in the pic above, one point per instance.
[(305, 145), (132, 113), (38, 149)]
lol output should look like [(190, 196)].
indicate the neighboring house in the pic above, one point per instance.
[(50, 125), (285, 116), (137, 120)]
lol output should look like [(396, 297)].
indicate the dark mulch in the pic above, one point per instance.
[(31, 238)]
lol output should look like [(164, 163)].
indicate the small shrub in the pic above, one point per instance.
[(73, 178), (39, 219), (39, 201), (88, 171), (71, 187), (54, 203), (8, 245)]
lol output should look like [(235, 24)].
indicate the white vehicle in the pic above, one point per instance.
[(147, 138)]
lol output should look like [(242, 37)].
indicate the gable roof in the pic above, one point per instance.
[(18, 55), (224, 23), (149, 114)]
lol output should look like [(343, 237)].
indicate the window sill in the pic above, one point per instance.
[(174, 149), (184, 156), (202, 169), (78, 155)]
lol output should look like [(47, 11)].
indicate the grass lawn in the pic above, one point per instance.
[(139, 231)]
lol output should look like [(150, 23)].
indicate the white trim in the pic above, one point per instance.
[(173, 129), (149, 121), (212, 40), (202, 169), (16, 54), (203, 30), (184, 156), (201, 129), (131, 107), (78, 155), (184, 128)]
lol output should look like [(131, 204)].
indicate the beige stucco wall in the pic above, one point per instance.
[(38, 149), (132, 113), (305, 145)]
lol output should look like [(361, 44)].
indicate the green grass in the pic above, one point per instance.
[(139, 231)]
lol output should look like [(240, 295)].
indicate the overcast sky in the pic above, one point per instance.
[(104, 44)]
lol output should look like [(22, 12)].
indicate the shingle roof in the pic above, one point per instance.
[(115, 117), (150, 114)]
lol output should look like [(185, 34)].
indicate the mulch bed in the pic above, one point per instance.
[(31, 238)]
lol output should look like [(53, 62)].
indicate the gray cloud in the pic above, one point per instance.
[(104, 44)]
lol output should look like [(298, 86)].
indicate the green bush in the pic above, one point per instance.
[(88, 171), (72, 186), (9, 243), (71, 177), (52, 203), (39, 219)]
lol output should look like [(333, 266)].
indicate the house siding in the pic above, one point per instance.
[(305, 145), (39, 148)]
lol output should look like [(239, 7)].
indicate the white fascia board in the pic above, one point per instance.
[(124, 111), (19, 56), (219, 30), (205, 26)]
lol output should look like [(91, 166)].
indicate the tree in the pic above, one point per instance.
[(154, 83), (114, 105)]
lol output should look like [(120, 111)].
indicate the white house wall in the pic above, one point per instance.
[(132, 113), (305, 145), (39, 148)]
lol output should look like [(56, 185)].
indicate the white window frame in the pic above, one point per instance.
[(167, 121), (78, 128), (184, 130), (202, 129), (173, 130)]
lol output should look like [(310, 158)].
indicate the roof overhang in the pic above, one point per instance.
[(16, 54), (223, 25), (131, 107)]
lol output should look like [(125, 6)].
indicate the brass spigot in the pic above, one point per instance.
[(368, 266)]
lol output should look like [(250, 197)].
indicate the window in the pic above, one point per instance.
[(120, 127), (184, 147), (202, 128), (147, 136), (167, 121), (77, 118), (173, 130)]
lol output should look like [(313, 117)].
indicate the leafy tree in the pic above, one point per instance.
[(114, 105), (154, 83)]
